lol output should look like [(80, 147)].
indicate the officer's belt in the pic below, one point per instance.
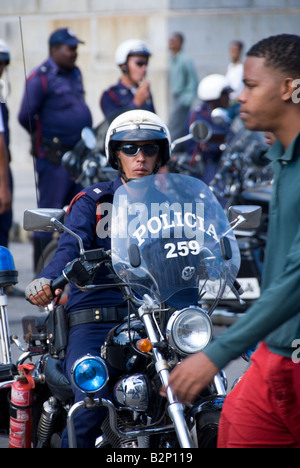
[(97, 315)]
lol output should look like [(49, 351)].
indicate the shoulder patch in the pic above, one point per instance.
[(97, 190)]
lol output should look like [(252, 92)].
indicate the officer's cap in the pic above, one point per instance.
[(64, 36)]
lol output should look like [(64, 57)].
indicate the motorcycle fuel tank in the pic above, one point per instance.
[(120, 350)]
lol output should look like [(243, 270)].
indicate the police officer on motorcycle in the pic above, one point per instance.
[(213, 92), (132, 90), (137, 144)]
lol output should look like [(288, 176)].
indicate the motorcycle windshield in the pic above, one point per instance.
[(167, 239)]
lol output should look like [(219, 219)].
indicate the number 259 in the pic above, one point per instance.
[(182, 248)]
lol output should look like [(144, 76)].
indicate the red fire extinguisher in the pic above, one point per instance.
[(21, 408)]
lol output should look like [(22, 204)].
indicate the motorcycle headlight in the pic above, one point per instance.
[(189, 330), (89, 374)]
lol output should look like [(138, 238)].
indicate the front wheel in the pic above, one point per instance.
[(207, 424)]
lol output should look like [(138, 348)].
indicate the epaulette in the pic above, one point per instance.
[(95, 192), (41, 70)]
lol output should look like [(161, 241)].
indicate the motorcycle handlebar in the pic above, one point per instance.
[(79, 271), (238, 287), (58, 283)]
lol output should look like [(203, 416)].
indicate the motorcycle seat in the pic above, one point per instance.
[(258, 196), (57, 382)]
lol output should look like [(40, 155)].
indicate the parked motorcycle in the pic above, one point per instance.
[(245, 178), (86, 163), (24, 387), (171, 245)]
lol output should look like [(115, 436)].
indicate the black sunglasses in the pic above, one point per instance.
[(141, 63), (149, 149)]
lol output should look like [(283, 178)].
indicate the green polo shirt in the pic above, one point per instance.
[(183, 78), (275, 317)]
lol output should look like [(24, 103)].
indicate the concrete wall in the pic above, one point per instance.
[(209, 26)]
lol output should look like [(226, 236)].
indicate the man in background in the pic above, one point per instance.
[(54, 112), (132, 91), (234, 75), (6, 208), (183, 84), (5, 191)]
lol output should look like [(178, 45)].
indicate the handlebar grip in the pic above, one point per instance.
[(74, 273), (238, 287), (58, 283)]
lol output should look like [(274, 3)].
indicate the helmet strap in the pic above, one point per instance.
[(121, 172)]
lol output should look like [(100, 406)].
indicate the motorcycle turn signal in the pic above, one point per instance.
[(144, 345)]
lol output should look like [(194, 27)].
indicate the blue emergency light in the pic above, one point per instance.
[(8, 273)]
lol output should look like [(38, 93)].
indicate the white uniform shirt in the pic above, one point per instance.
[(235, 77)]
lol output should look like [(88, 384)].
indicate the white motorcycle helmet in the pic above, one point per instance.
[(4, 52), (130, 47), (137, 125), (211, 87)]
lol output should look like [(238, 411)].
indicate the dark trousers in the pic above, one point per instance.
[(56, 190), (6, 220)]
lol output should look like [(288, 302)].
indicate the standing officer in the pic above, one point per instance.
[(5, 215), (5, 193), (132, 90), (54, 112)]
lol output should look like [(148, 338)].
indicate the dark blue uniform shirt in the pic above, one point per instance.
[(56, 104), (5, 116), (119, 96), (82, 219)]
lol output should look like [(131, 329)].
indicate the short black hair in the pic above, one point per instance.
[(179, 36), (240, 44), (281, 52)]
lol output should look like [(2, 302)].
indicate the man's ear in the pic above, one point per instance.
[(125, 68), (289, 89)]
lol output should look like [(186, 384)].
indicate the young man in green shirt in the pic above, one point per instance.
[(264, 408)]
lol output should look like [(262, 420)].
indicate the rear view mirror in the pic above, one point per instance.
[(89, 138), (201, 131), (42, 219), (248, 216), (198, 131)]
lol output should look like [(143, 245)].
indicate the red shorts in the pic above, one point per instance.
[(263, 410)]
